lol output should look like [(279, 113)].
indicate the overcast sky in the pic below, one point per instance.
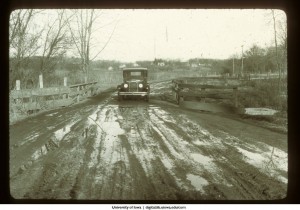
[(182, 33)]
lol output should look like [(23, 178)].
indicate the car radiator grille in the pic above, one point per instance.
[(133, 87)]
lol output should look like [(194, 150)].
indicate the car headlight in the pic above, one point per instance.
[(140, 85), (125, 85)]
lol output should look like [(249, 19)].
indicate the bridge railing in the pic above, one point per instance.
[(184, 88), (27, 101)]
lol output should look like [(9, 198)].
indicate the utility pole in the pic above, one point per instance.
[(154, 48), (242, 61), (233, 66), (167, 38)]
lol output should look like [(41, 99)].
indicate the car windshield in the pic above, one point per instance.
[(134, 75)]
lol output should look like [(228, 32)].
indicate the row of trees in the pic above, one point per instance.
[(268, 59), (51, 35), (39, 40), (257, 60)]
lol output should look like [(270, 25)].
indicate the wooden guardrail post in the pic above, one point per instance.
[(18, 85), (41, 81), (174, 89), (202, 91), (65, 81), (78, 95), (235, 96), (65, 85)]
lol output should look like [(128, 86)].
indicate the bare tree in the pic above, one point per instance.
[(255, 59), (279, 58), (23, 43), (280, 35), (55, 43), (278, 21), (276, 45), (81, 27), (282, 25)]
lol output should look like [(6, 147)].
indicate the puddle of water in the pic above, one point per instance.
[(108, 132), (153, 106), (280, 158), (50, 115), (59, 134), (29, 139), (167, 163), (144, 154), (207, 161), (283, 179), (32, 136), (260, 111), (112, 128), (197, 181), (38, 153), (254, 158), (201, 143), (204, 132), (170, 147), (93, 117), (267, 162), (44, 150), (95, 152), (163, 114)]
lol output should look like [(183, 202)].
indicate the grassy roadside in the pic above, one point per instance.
[(255, 94)]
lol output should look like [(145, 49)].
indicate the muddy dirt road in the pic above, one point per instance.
[(103, 149)]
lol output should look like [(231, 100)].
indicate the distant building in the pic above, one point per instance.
[(194, 65), (161, 64), (122, 66)]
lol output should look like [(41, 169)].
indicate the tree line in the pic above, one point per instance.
[(271, 58), (41, 41), (47, 36), (257, 60)]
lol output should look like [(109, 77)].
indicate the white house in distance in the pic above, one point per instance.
[(122, 66), (161, 63)]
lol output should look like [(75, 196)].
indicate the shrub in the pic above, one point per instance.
[(265, 93)]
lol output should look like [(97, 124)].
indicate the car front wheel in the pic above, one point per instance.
[(120, 97)]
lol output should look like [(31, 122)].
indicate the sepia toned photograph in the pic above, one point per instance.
[(148, 104)]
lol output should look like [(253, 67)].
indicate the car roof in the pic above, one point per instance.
[(136, 68)]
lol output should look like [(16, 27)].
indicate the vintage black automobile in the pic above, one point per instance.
[(134, 84)]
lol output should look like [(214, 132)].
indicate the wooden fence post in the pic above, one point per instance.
[(65, 85), (235, 96), (203, 91), (18, 85), (41, 81), (78, 96), (65, 81)]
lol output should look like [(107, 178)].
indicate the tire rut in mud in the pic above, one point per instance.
[(139, 151)]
